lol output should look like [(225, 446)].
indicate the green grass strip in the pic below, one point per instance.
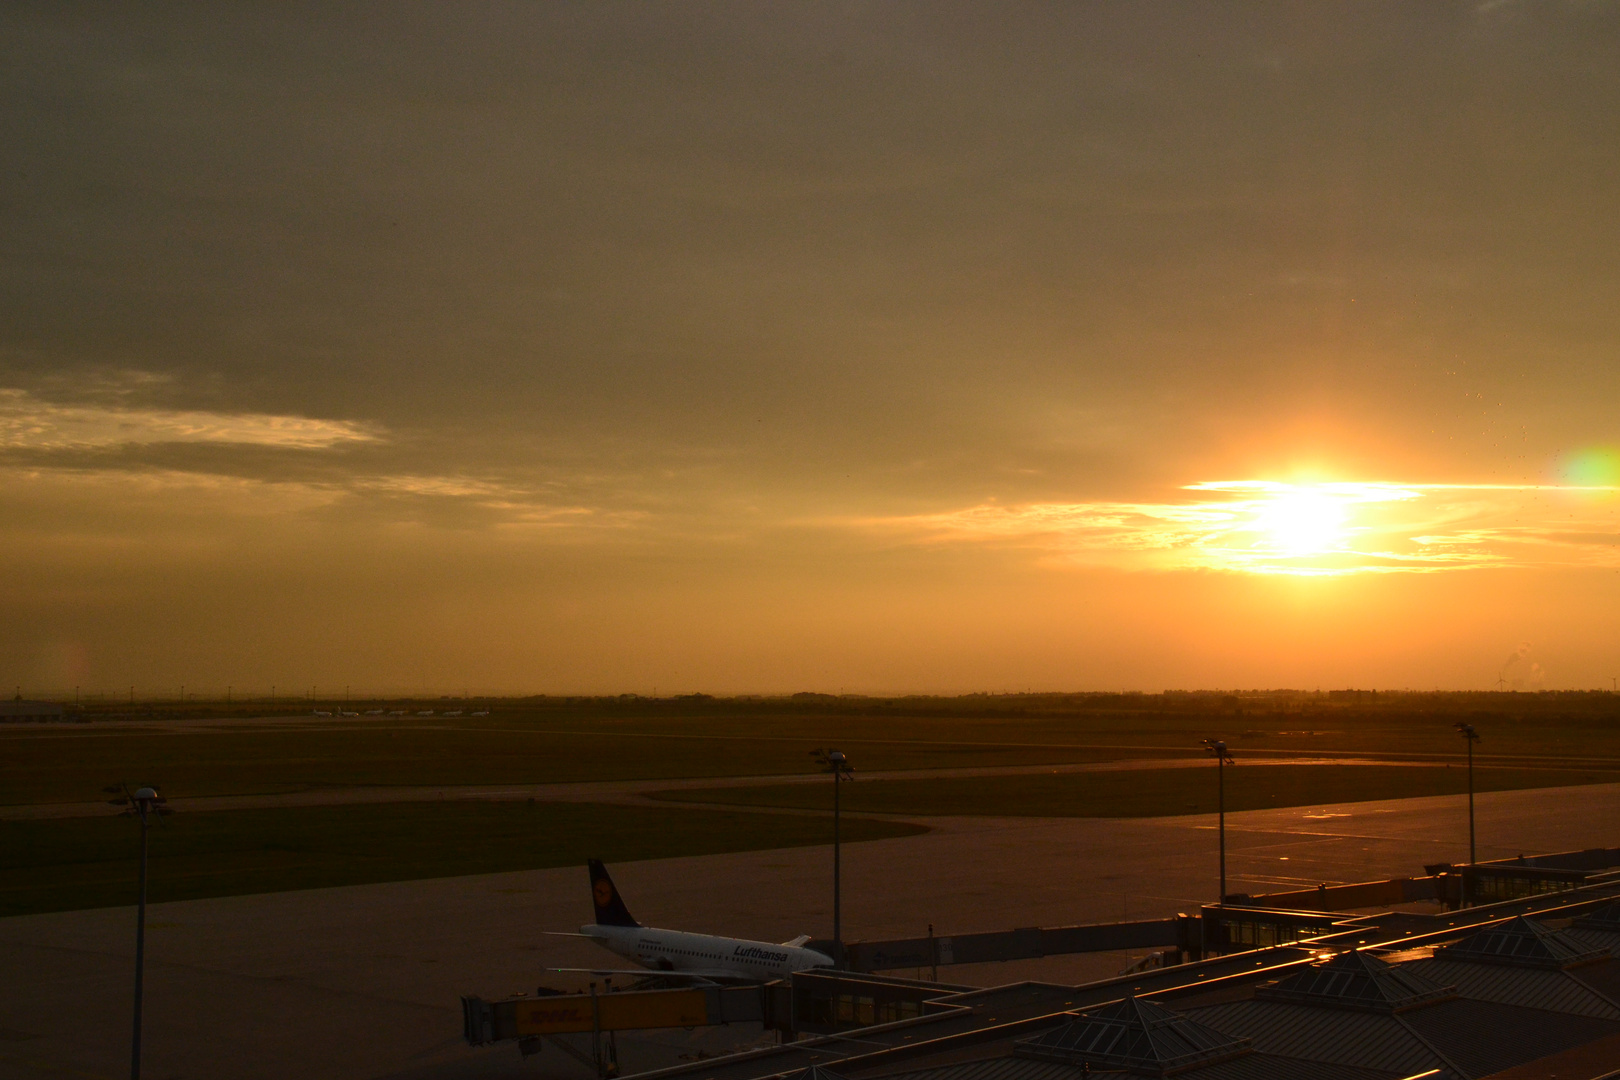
[(71, 863)]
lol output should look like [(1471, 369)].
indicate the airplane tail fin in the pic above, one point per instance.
[(610, 909)]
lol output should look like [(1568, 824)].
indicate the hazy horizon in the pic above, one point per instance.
[(877, 347), (236, 697)]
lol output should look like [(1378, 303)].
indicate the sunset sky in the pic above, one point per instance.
[(740, 347)]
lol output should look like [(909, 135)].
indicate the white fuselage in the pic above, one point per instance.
[(673, 950)]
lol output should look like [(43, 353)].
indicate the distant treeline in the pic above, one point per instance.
[(1527, 705)]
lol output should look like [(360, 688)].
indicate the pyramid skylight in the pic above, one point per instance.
[(1134, 1035), (1355, 980)]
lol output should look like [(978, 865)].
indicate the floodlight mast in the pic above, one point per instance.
[(834, 762), (1470, 737), (147, 805), (1222, 759)]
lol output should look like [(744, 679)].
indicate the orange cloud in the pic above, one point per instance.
[(1271, 527)]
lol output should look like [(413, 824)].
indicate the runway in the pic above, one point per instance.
[(363, 981), (639, 792)]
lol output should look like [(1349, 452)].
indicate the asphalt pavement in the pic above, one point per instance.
[(363, 981)]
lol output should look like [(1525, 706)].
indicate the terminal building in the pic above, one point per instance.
[(18, 711), (1523, 982)]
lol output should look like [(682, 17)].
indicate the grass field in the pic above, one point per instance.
[(53, 864), (73, 764), (63, 864), (1140, 792), (529, 742)]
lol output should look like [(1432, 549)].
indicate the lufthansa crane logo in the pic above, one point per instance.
[(603, 891)]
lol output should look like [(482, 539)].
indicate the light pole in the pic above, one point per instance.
[(834, 761), (1470, 737), (1222, 760), (147, 805)]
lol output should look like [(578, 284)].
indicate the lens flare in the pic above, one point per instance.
[(1595, 466)]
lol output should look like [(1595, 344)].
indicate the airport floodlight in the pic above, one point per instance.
[(836, 763), (146, 804), (1470, 737), (1223, 758)]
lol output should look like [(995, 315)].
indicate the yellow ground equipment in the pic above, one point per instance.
[(625, 1010)]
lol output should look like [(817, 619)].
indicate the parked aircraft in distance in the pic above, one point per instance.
[(397, 712), (374, 712), (346, 712), (425, 712), (675, 954), (322, 712), (452, 712), (481, 712)]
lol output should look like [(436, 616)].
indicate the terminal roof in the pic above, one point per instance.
[(1135, 1035), (1522, 943), (1355, 980)]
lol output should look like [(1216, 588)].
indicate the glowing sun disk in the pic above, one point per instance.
[(1302, 521)]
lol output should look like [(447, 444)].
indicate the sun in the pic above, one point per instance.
[(1309, 528), (1301, 521)]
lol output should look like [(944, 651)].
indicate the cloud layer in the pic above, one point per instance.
[(726, 345), (1322, 529), (28, 423)]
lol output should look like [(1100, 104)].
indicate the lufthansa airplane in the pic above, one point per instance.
[(673, 953)]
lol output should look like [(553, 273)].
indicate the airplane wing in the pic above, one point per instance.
[(796, 942), (568, 933)]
